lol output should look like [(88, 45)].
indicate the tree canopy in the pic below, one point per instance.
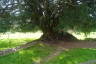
[(48, 15)]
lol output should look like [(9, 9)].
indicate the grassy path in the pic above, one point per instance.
[(53, 54)]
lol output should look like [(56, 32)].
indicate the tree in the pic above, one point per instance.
[(53, 17)]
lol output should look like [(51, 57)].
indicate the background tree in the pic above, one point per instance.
[(53, 17)]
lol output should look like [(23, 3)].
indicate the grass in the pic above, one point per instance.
[(74, 56), (27, 56), (9, 43), (30, 55), (38, 52)]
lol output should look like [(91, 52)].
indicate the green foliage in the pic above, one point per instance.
[(5, 26), (32, 15), (77, 19)]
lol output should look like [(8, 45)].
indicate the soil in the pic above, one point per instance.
[(61, 46), (65, 46), (73, 44)]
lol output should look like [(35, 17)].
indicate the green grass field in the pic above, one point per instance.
[(9, 43), (27, 56), (38, 52), (74, 56)]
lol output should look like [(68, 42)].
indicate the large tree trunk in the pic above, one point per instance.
[(48, 26), (56, 35), (48, 23)]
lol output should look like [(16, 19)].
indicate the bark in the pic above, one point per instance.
[(52, 35), (48, 23)]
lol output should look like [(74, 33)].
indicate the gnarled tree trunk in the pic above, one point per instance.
[(50, 34)]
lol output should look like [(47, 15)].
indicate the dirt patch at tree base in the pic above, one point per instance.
[(63, 44), (73, 44)]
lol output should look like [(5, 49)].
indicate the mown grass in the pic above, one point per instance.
[(39, 51), (30, 55), (74, 56), (9, 43)]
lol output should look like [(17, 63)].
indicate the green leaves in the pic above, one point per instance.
[(59, 15)]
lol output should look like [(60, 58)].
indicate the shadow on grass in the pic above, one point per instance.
[(30, 55), (37, 52), (74, 56)]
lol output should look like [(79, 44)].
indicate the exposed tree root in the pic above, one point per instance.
[(58, 36), (12, 50)]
